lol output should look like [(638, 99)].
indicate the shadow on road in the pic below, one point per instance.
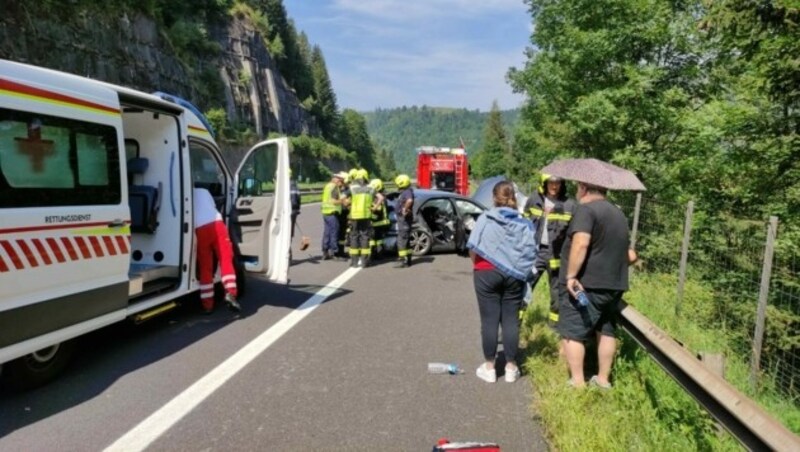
[(107, 355)]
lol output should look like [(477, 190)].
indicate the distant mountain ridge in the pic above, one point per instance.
[(402, 130)]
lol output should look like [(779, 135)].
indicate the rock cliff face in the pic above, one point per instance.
[(131, 51)]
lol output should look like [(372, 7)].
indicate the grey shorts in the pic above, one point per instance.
[(578, 323)]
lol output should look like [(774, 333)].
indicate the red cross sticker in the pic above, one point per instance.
[(34, 146)]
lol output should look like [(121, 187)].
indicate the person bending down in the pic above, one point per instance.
[(213, 240)]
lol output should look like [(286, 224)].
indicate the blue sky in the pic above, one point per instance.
[(440, 53)]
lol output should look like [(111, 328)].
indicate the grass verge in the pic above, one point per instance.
[(646, 410)]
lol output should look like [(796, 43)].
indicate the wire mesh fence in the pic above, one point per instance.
[(725, 256), (781, 352)]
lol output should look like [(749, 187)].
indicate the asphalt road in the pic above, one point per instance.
[(350, 374)]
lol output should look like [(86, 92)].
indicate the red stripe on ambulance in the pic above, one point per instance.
[(84, 247), (98, 250), (42, 251), (26, 250), (35, 252), (109, 245), (122, 241), (56, 250), (12, 254), (69, 248)]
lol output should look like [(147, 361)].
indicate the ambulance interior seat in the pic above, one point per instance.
[(142, 199)]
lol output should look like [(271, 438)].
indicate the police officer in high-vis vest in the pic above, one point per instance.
[(380, 217), (403, 208), (551, 211), (331, 209), (361, 199)]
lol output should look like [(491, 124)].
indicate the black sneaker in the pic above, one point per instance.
[(233, 305)]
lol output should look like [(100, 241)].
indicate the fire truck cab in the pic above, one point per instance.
[(443, 169), (96, 210)]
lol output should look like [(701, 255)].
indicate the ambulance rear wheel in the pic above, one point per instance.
[(37, 368)]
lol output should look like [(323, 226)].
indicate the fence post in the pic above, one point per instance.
[(763, 295), (687, 232), (635, 229)]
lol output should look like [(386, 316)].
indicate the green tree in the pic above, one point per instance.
[(356, 139), (305, 79), (325, 108), (495, 157), (387, 165)]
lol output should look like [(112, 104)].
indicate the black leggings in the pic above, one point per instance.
[(499, 301)]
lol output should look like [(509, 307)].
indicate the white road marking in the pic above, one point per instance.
[(141, 436)]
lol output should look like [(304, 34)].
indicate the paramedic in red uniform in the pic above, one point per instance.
[(213, 239)]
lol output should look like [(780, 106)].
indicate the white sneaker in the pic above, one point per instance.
[(486, 374), (512, 375)]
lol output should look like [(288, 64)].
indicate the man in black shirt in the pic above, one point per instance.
[(596, 256)]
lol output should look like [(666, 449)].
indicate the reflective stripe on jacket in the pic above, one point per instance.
[(557, 223)]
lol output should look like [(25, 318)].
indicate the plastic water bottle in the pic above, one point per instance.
[(444, 368), (583, 300)]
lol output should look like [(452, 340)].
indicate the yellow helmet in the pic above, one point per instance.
[(353, 173), (362, 174), (402, 181), (376, 184)]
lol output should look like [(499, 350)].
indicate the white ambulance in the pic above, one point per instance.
[(96, 220)]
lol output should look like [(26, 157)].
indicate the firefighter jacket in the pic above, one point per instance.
[(555, 222), (361, 201), (380, 217)]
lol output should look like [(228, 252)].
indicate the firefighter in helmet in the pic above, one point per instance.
[(343, 215), (380, 217), (403, 208), (551, 210), (361, 201)]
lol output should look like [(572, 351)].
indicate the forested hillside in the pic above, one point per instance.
[(399, 131), (242, 62)]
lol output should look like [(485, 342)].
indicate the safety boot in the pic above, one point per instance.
[(354, 261)]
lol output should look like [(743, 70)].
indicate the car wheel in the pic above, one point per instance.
[(37, 368), (421, 242)]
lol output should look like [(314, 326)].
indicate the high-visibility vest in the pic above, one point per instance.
[(328, 207), (361, 202), (380, 218)]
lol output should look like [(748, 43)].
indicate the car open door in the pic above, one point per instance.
[(262, 214)]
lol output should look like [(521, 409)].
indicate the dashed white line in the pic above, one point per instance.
[(150, 429)]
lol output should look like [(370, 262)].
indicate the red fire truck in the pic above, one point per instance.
[(443, 169)]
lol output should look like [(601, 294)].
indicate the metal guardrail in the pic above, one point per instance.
[(742, 417), (314, 191)]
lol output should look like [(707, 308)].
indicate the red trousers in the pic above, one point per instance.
[(213, 239)]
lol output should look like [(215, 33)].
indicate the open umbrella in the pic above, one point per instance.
[(595, 172)]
